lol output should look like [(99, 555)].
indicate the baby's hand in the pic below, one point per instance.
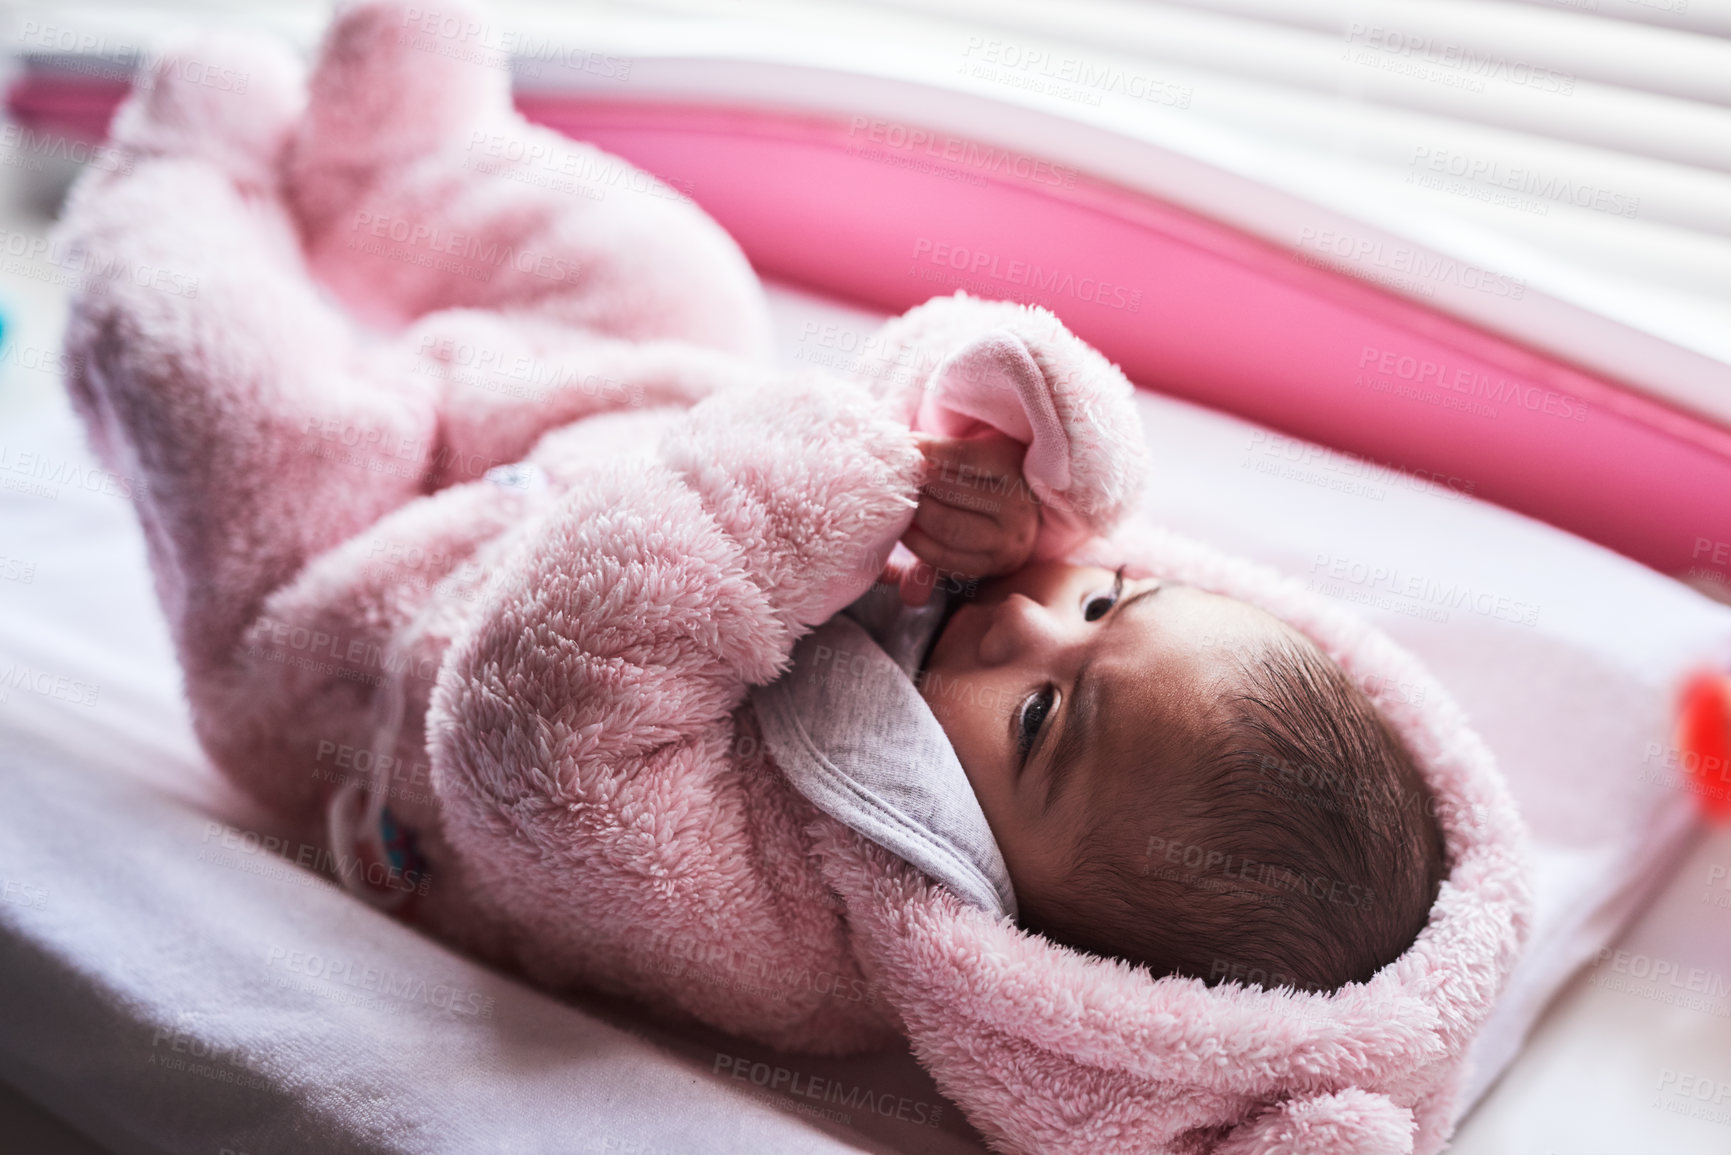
[(976, 517)]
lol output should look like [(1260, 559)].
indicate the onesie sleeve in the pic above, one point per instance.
[(597, 775), (957, 366)]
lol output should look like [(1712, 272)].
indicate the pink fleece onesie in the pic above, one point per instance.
[(365, 533)]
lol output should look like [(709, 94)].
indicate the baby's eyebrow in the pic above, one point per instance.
[(1079, 725), (1123, 607)]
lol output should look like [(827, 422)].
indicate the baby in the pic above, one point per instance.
[(1132, 743), (578, 636)]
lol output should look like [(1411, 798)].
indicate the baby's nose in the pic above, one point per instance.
[(1021, 628)]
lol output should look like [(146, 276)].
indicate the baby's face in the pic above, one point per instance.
[(1059, 680)]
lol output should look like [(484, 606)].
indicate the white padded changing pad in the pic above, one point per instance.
[(170, 985)]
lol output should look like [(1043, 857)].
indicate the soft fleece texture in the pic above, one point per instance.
[(571, 658)]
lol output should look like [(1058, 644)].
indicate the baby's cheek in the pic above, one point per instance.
[(967, 707), (958, 725), (955, 729)]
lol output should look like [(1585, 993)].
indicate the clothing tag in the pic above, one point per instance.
[(523, 476)]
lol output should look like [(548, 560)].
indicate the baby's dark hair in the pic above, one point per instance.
[(1295, 844)]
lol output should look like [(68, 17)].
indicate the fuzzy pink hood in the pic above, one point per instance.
[(571, 653), (1050, 1049)]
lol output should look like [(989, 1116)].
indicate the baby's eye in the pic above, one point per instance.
[(1030, 717), (1100, 605)]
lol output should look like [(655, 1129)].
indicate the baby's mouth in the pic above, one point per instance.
[(952, 603)]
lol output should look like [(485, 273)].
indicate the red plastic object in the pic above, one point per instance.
[(1704, 742)]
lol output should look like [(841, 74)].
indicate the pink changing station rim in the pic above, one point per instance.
[(1186, 305)]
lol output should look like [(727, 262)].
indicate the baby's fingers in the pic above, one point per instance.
[(917, 579), (981, 474), (946, 559), (963, 530), (992, 462)]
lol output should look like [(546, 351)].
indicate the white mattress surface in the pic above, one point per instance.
[(172, 986)]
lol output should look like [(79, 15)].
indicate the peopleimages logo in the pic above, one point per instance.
[(27, 466), (121, 60), (238, 845), (59, 687), (466, 254), (1424, 57), (1695, 987), (1718, 878), (1470, 383), (984, 158), (802, 1085), (1524, 180), (457, 34), (26, 148), (1389, 587), (47, 259), (992, 271), (1401, 266), (1071, 78), (348, 980)]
